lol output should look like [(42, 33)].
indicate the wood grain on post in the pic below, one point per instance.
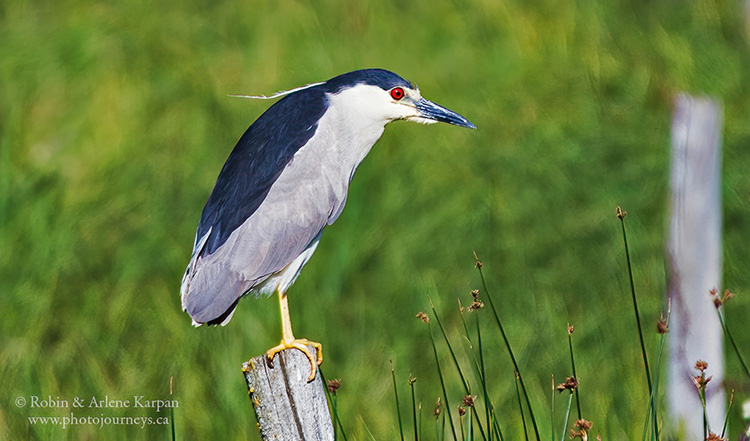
[(288, 407), (694, 258)]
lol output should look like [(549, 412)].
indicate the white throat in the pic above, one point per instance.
[(355, 120)]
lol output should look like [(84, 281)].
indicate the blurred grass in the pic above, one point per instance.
[(114, 123)]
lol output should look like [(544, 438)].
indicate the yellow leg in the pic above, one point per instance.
[(288, 341)]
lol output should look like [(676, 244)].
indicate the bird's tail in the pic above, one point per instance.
[(208, 294)]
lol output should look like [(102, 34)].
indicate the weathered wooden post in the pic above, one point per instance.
[(694, 258), (288, 407)]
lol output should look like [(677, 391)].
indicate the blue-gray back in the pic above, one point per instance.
[(256, 162)]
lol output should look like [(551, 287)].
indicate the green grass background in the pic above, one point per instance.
[(115, 120)]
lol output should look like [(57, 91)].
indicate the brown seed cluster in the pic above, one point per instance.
[(620, 212), (701, 380), (468, 401), (719, 300), (571, 329), (334, 385), (424, 317), (571, 383), (476, 304), (438, 405), (477, 263), (701, 365), (661, 325), (583, 427), (714, 437)]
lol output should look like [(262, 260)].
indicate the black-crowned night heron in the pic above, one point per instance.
[(287, 179)]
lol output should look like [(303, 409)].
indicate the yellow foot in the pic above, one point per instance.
[(301, 344)]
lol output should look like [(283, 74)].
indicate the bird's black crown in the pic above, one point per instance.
[(382, 78)]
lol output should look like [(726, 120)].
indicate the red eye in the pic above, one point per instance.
[(397, 93)]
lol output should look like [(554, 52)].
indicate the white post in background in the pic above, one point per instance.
[(694, 258)]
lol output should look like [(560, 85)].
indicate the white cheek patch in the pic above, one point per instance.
[(421, 120), (366, 104)]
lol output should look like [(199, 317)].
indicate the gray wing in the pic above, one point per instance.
[(307, 196)]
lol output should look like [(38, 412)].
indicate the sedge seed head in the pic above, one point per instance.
[(334, 385), (468, 401), (661, 325), (701, 365), (620, 213), (570, 383)]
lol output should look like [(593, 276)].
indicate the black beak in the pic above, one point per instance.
[(429, 110)]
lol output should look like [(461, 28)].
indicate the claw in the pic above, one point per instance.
[(300, 344)]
